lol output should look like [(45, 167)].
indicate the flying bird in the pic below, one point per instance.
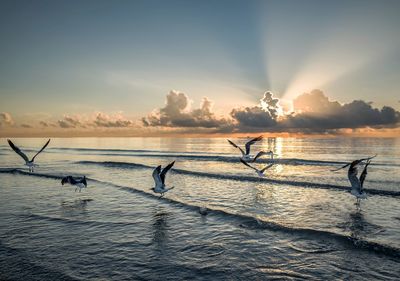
[(262, 153), (29, 163), (246, 155), (357, 183), (260, 173), (159, 179), (78, 182)]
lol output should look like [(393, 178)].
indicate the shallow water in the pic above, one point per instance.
[(298, 223)]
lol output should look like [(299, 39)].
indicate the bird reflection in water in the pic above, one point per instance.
[(160, 228), (79, 205), (359, 226)]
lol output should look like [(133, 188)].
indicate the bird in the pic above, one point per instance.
[(29, 163), (246, 155), (159, 179), (357, 183), (78, 182), (262, 153), (260, 173)]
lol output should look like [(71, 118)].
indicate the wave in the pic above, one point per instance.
[(244, 178), (203, 156), (243, 220), (216, 157), (73, 221), (125, 151), (20, 265)]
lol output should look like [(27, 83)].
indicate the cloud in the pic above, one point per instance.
[(107, 121), (70, 122), (27, 126), (44, 124), (314, 113), (177, 113), (264, 115), (6, 119), (99, 120)]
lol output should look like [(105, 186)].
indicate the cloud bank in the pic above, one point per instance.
[(99, 120), (312, 113)]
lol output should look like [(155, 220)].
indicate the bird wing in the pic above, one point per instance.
[(355, 162), (364, 174), (44, 146), (368, 158), (266, 168), (247, 164), (18, 151), (156, 175), (234, 145), (165, 171), (262, 153), (250, 142), (334, 170), (84, 181)]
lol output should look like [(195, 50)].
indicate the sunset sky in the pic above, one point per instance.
[(198, 67)]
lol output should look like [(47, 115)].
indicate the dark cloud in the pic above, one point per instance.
[(257, 117), (6, 119), (175, 113), (316, 112)]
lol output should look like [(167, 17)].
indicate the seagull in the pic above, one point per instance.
[(79, 183), (357, 183), (260, 173), (246, 156), (262, 153), (159, 179), (28, 162)]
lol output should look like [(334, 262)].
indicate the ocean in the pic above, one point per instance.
[(299, 222)]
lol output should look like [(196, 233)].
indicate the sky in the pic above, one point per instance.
[(143, 68)]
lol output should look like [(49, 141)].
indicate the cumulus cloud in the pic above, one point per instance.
[(264, 115), (316, 111), (312, 112), (177, 113), (6, 119), (70, 122), (107, 121), (98, 120)]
